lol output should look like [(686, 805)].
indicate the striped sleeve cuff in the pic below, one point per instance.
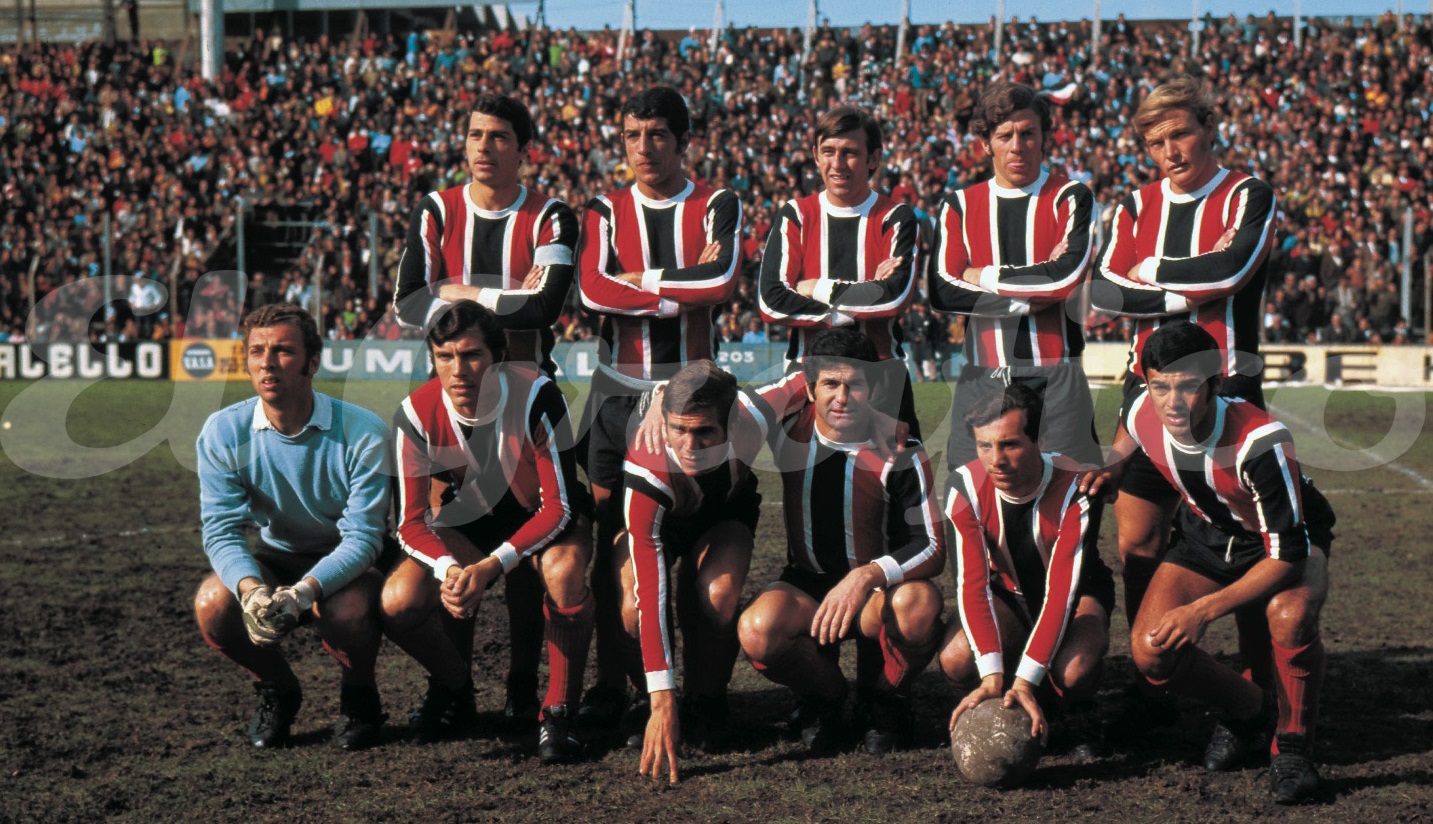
[(507, 556), (1030, 671), (668, 308), (651, 281), (823, 290), (488, 298), (1148, 270), (989, 664), (839, 318), (660, 681)]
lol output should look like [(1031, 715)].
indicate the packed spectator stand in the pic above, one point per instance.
[(355, 133)]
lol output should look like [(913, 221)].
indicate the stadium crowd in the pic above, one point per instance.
[(1339, 127)]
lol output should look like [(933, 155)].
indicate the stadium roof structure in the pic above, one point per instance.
[(499, 14)]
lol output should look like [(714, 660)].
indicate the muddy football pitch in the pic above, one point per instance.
[(112, 707)]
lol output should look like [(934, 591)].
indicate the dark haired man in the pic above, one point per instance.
[(844, 256), (487, 483), (512, 250), (1009, 253), (311, 472), (863, 541), (1251, 538), (1030, 585), (657, 261)]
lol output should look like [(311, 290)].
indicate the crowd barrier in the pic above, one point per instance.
[(222, 359)]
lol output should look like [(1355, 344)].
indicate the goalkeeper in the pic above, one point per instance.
[(311, 473)]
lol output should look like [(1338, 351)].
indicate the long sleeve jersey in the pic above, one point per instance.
[(651, 330), (1033, 547), (452, 240), (322, 493), (840, 248), (515, 461), (1018, 313), (1186, 269)]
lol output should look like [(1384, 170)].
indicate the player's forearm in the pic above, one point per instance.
[(1261, 582)]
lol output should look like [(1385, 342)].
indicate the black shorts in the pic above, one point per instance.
[(289, 567), (1096, 581), (680, 534), (609, 420), (1203, 548), (490, 531), (1067, 425), (815, 584), (1142, 478)]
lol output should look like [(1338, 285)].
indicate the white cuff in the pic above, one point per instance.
[(652, 281), (1030, 671), (507, 556), (488, 298), (660, 680), (1174, 303), (892, 569), (989, 664), (1019, 307), (1148, 268), (990, 278), (442, 565), (433, 308), (839, 318), (668, 308), (823, 290)]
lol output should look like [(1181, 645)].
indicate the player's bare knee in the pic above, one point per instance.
[(756, 630), (1079, 677), (1152, 662), (916, 608), (564, 569), (1293, 620), (212, 605), (957, 662), (720, 600), (351, 606)]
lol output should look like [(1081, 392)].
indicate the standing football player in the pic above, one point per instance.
[(512, 250), (1194, 246), (657, 261), (1009, 253), (845, 256), (310, 472)]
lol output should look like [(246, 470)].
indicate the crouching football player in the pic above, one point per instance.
[(487, 482), (311, 472), (864, 539), (1251, 539), (1030, 585)]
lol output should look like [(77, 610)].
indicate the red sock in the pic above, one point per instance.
[(523, 595), (902, 663), (569, 633), (807, 668), (1301, 675), (1138, 572)]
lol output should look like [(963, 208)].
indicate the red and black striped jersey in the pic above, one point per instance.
[(848, 504), (1011, 236), (652, 330), (840, 248), (1244, 478), (661, 505), (1033, 547), (515, 460), (452, 240), (1168, 258)]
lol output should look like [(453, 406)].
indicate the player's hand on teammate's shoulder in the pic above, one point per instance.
[(890, 435)]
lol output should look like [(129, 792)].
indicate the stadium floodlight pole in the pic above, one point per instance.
[(539, 19), (243, 257), (1298, 24), (1406, 299), (108, 242), (211, 38), (1194, 32), (810, 34), (372, 254), (999, 28), (718, 17), (1095, 35), (629, 29), (904, 30)]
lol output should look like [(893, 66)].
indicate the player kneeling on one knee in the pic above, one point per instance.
[(1251, 539), (1030, 585), (487, 482), (310, 472), (864, 539)]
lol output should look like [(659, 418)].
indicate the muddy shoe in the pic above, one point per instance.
[(602, 706), (887, 722), (706, 723), (817, 721), (444, 713), (1235, 742), (360, 718), (522, 707), (1293, 778), (633, 726), (277, 709), (557, 740)]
